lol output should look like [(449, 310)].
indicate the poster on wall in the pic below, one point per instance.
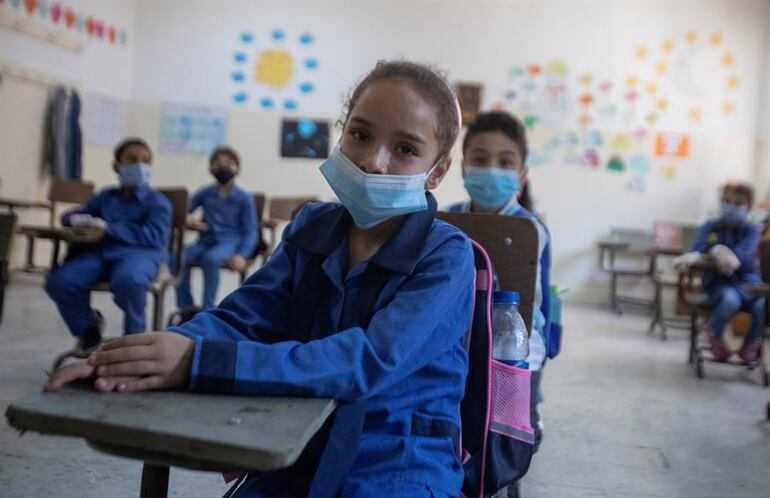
[(191, 129), (306, 138), (106, 119), (469, 95)]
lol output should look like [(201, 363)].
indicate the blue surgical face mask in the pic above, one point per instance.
[(372, 199), (732, 213), (134, 175), (491, 187)]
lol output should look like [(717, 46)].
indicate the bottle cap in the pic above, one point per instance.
[(506, 297)]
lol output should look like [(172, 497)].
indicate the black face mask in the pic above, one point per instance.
[(223, 175)]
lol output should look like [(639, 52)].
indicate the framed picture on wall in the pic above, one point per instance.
[(469, 95), (308, 138)]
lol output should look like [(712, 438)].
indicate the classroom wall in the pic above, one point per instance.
[(100, 67), (183, 52), (474, 42)]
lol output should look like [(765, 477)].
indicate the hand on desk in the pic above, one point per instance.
[(726, 260), (137, 362), (237, 263), (87, 221), (196, 224)]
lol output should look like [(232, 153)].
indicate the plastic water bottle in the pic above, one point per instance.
[(509, 334)]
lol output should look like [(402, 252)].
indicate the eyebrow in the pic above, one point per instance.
[(403, 134)]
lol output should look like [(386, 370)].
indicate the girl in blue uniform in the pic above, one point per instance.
[(367, 302), (734, 239), (230, 228), (136, 222), (496, 178)]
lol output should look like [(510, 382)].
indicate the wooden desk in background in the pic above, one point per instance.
[(57, 235), (163, 429)]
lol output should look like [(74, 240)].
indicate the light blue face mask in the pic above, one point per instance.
[(134, 175), (491, 187), (734, 214), (372, 199)]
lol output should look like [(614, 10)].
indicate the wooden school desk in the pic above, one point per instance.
[(172, 428), (630, 242)]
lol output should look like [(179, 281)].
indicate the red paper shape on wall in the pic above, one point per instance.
[(99, 28), (672, 145), (69, 17), (30, 5), (111, 34), (90, 26), (55, 12)]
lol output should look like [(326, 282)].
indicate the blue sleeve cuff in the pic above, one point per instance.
[(215, 361), (195, 367)]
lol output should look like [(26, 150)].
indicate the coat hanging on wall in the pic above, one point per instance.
[(62, 140)]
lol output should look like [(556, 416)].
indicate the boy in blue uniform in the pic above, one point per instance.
[(136, 221), (230, 228), (367, 302), (496, 178), (732, 240)]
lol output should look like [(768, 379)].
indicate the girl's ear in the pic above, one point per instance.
[(524, 177), (438, 174), (115, 166)]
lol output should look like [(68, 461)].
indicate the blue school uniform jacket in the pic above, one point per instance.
[(139, 222), (541, 316), (233, 218), (743, 239), (299, 326)]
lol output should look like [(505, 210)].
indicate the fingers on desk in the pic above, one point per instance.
[(119, 355), (129, 368), (75, 371), (144, 339), (107, 384)]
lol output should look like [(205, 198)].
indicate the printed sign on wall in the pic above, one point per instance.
[(191, 129)]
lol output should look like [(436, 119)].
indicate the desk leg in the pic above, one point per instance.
[(154, 481)]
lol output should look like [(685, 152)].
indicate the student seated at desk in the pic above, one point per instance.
[(367, 302), (732, 241), (136, 222), (230, 233), (497, 181)]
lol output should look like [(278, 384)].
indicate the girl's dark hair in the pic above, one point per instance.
[(128, 142), (227, 151), (430, 83), (740, 188), (505, 123), (511, 127)]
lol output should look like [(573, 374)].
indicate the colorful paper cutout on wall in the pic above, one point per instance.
[(616, 164), (591, 158), (621, 142), (64, 18), (672, 145), (274, 67), (305, 138), (638, 184), (639, 163), (668, 171), (191, 129)]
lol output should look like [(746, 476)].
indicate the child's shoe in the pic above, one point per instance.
[(92, 337), (749, 352), (718, 348)]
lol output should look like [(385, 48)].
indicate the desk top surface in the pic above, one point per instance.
[(202, 431), (24, 203), (68, 234)]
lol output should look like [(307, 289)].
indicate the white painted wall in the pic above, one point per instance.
[(100, 67), (182, 52)]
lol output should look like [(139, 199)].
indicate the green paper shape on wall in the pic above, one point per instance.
[(530, 121), (616, 164)]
